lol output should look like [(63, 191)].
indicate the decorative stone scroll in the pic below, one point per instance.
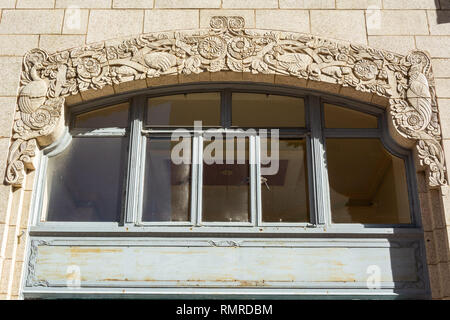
[(407, 81)]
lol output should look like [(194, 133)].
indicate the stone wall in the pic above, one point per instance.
[(396, 25)]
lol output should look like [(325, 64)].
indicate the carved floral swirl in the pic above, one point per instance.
[(407, 81), (212, 47), (88, 68), (20, 157), (218, 24), (364, 69), (241, 48), (236, 23)]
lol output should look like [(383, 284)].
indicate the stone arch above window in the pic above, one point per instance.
[(47, 79)]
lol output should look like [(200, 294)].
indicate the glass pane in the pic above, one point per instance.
[(184, 109), (284, 189), (367, 184), (226, 188), (109, 117), (267, 110), (167, 185), (84, 183), (339, 117)]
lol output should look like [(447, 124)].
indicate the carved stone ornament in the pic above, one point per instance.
[(407, 81), (31, 280)]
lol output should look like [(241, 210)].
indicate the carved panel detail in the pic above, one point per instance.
[(31, 280), (407, 81)]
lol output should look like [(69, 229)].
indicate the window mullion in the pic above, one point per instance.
[(254, 179), (318, 178), (134, 176), (225, 109), (194, 179), (257, 158), (199, 177)]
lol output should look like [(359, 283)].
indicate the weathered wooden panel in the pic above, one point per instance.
[(270, 264)]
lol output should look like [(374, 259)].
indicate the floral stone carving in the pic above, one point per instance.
[(407, 81)]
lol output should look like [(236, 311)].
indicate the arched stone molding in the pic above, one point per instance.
[(47, 79)]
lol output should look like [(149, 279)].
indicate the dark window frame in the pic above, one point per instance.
[(314, 132)]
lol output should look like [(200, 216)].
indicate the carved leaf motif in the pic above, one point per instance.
[(216, 65), (234, 65), (431, 155), (20, 156), (259, 66), (192, 65)]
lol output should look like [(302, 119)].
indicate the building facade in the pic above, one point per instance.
[(93, 92)]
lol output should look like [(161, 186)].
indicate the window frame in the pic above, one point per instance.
[(320, 213)]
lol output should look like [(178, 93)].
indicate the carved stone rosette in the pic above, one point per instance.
[(406, 81)]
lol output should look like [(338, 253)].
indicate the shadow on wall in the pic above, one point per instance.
[(442, 16)]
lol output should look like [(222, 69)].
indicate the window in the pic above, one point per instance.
[(225, 188), (85, 181), (232, 156)]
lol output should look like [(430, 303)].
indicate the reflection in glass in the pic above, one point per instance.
[(184, 109), (167, 184), (267, 110), (339, 117), (367, 184), (109, 117), (284, 195), (84, 183), (226, 180)]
